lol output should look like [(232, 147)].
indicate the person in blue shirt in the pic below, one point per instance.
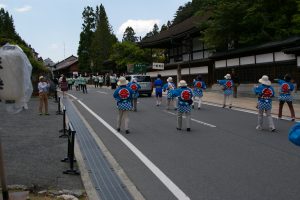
[(227, 85), (185, 100), (199, 86), (123, 95), (169, 86), (158, 84), (265, 92), (285, 89), (135, 87)]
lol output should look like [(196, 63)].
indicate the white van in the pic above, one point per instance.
[(144, 81)]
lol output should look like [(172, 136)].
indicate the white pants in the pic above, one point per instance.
[(260, 118), (179, 119), (199, 101), (227, 100), (123, 116)]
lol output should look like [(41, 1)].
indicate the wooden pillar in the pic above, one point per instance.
[(178, 72)]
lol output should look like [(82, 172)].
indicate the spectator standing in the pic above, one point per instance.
[(43, 87), (135, 87), (236, 82), (169, 86), (285, 89), (158, 84), (227, 84), (185, 96), (123, 95), (63, 85), (265, 93), (199, 86), (101, 81), (113, 81)]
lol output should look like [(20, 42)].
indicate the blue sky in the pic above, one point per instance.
[(52, 27)]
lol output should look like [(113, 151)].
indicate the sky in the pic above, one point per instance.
[(52, 27)]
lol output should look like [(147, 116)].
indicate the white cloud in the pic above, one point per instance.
[(140, 27), (24, 9), (2, 6)]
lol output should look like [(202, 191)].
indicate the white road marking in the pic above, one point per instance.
[(102, 92), (195, 120), (177, 192), (72, 96)]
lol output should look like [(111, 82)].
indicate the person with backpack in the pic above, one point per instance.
[(135, 87), (227, 85), (265, 92), (285, 89), (185, 100), (123, 95)]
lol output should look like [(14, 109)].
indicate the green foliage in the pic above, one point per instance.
[(103, 40), (86, 37), (129, 53), (242, 23)]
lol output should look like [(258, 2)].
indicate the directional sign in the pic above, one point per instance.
[(139, 68)]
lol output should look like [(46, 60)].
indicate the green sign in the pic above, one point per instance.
[(139, 68)]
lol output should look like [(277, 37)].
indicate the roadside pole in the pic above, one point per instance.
[(2, 174)]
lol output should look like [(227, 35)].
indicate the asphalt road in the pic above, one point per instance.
[(223, 158)]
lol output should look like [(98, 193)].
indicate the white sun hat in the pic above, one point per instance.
[(227, 76), (170, 79), (265, 80), (122, 81), (182, 83)]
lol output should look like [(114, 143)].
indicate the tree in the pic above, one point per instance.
[(129, 35), (86, 36), (243, 23), (129, 53), (103, 39)]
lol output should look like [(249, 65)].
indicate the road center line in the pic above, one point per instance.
[(195, 120), (102, 92), (177, 192)]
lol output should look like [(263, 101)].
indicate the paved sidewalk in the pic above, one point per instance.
[(33, 150), (249, 103)]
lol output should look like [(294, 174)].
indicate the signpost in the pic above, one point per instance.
[(159, 66)]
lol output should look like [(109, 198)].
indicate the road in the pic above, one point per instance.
[(223, 158)]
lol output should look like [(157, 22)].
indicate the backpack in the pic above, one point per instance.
[(294, 134)]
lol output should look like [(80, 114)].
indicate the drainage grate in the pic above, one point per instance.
[(106, 182)]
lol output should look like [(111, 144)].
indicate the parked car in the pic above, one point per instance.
[(144, 81)]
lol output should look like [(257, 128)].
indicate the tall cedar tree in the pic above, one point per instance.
[(103, 40), (86, 36), (129, 35)]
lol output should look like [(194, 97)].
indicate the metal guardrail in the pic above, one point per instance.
[(70, 155)]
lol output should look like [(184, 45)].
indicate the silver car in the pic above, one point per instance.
[(145, 83)]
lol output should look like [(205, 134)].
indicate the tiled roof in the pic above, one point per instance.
[(190, 25), (66, 63)]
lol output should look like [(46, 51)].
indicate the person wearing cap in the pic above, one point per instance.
[(158, 84), (285, 89), (265, 92), (135, 87), (199, 86), (185, 96), (169, 86), (227, 85), (43, 87), (123, 95)]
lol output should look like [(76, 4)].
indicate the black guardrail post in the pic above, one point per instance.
[(55, 96), (71, 157), (58, 112), (64, 130), (2, 175)]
